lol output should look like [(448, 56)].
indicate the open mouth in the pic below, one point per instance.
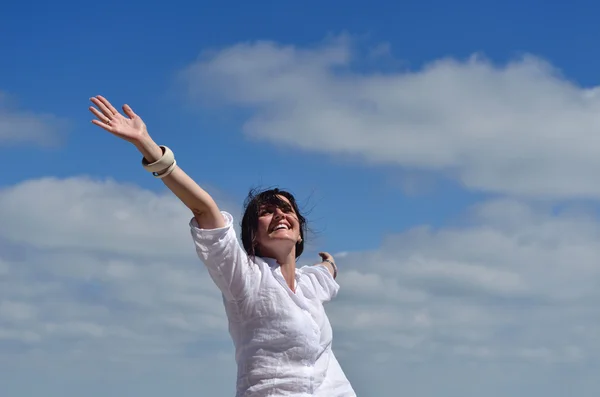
[(281, 226)]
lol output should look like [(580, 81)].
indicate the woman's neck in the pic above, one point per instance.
[(288, 270)]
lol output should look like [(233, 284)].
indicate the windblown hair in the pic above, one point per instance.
[(253, 203)]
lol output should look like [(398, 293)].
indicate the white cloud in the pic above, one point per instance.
[(85, 214), (519, 128), (20, 127), (518, 286), (513, 291)]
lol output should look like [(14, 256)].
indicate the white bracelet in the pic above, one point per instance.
[(163, 164), (166, 172)]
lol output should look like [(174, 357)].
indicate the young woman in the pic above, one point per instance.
[(281, 333)]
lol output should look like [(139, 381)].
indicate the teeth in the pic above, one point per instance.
[(280, 226)]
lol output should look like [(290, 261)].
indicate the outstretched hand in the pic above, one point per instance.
[(129, 127)]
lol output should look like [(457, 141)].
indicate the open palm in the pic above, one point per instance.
[(130, 128)]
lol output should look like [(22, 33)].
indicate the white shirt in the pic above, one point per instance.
[(282, 339)]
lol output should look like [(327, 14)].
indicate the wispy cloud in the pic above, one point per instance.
[(518, 128), (18, 126)]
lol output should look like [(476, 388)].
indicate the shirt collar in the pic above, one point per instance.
[(273, 264)]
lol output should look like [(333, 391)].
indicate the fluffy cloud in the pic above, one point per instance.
[(19, 126), (518, 128), (503, 304), (100, 277)]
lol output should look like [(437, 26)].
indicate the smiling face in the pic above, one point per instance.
[(272, 225), (278, 227)]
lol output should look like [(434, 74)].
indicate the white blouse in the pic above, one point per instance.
[(282, 339)]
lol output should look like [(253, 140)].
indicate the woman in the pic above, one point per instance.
[(281, 333)]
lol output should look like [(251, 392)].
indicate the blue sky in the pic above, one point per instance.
[(61, 53), (447, 150)]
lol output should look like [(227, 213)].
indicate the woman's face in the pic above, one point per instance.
[(278, 228)]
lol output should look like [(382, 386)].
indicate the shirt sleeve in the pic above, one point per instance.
[(324, 285), (226, 261)]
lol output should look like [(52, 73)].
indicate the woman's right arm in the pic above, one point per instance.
[(202, 205), (133, 129), (214, 236)]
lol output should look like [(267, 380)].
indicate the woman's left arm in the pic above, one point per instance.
[(329, 263), (321, 277)]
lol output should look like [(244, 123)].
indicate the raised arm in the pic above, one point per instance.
[(132, 128)]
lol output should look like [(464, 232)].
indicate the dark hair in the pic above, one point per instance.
[(253, 203)]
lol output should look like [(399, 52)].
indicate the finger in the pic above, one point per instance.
[(101, 124), (107, 104), (100, 115), (128, 111), (107, 112)]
